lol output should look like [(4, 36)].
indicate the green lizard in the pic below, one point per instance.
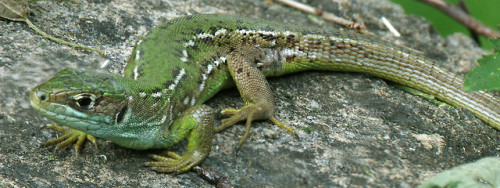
[(181, 64)]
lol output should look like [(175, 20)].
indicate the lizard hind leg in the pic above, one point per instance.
[(197, 123), (254, 90)]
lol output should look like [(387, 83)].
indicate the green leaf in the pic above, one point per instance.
[(15, 10), (486, 76), (495, 42), (482, 173)]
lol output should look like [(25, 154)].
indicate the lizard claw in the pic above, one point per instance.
[(69, 136), (248, 113), (173, 162)]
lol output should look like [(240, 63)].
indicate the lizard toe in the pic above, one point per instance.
[(69, 137), (173, 163), (250, 113)]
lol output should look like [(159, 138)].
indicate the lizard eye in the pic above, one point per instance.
[(85, 101)]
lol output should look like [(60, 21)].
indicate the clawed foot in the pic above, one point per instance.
[(196, 123), (174, 162), (248, 113), (69, 136)]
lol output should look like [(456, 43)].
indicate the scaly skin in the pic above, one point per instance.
[(183, 63)]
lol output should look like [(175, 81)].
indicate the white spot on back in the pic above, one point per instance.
[(193, 101), (220, 32), (189, 43), (137, 55), (185, 56), (170, 111), (287, 33), (313, 36), (177, 79), (203, 35), (292, 52), (157, 94), (223, 59), (209, 68), (163, 119), (136, 72), (203, 78)]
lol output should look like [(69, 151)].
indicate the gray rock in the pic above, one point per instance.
[(365, 132)]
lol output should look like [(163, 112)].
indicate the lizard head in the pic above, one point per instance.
[(95, 103)]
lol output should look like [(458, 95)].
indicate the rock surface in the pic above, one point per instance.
[(355, 130)]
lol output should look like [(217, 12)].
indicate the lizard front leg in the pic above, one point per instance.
[(254, 90), (197, 122)]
